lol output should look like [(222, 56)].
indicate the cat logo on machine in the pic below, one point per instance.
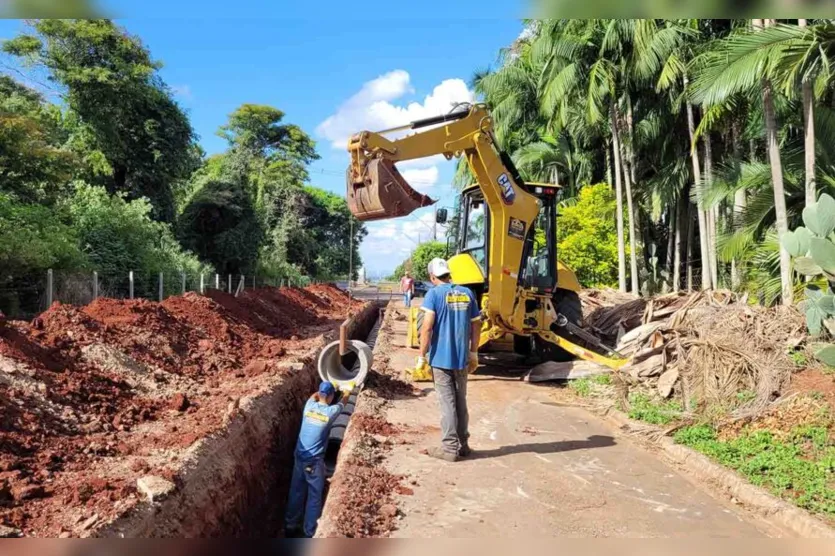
[(516, 228), (508, 194)]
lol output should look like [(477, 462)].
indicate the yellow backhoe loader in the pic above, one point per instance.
[(507, 248)]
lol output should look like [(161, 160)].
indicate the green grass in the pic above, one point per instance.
[(643, 408), (799, 467), (583, 386), (799, 359)]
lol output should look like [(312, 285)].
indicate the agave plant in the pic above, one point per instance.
[(812, 248)]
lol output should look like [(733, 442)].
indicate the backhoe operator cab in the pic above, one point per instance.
[(507, 252), (542, 272)]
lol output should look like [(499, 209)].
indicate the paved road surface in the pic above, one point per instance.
[(545, 469)]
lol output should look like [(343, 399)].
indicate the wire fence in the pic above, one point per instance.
[(25, 298)]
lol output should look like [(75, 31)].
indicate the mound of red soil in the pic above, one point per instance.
[(80, 422)]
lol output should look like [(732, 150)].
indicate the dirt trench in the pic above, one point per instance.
[(235, 483), (134, 418)]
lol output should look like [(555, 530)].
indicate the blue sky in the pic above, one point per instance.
[(332, 76)]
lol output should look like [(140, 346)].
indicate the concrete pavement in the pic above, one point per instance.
[(543, 469)]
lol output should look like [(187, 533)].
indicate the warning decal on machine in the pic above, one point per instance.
[(516, 228)]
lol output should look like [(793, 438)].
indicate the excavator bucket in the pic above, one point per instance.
[(382, 192)]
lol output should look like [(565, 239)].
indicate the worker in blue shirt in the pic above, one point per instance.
[(308, 481), (450, 336)]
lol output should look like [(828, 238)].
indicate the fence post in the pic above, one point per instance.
[(161, 293), (49, 288), (217, 281), (202, 284), (130, 284), (229, 284), (95, 285), (184, 281)]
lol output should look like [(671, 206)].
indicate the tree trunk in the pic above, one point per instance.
[(681, 222), (808, 135), (697, 178), (779, 190), (630, 212), (712, 215), (672, 228), (630, 175), (609, 166), (740, 202), (690, 227), (619, 198)]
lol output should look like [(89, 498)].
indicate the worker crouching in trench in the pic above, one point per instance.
[(304, 505)]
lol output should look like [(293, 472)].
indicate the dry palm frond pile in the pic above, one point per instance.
[(707, 349)]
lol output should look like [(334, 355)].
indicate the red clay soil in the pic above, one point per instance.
[(814, 380), (78, 428)]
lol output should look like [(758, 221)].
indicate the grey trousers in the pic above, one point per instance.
[(451, 387)]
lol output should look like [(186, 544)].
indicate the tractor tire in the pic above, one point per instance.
[(567, 303)]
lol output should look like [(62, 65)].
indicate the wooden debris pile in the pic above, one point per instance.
[(705, 348)]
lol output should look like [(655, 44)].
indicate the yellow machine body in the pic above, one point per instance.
[(376, 190)]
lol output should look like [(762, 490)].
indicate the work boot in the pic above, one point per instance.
[(293, 533), (440, 453), (464, 451)]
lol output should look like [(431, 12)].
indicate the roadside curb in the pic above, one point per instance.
[(731, 484)]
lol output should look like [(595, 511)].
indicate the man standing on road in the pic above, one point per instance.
[(309, 470), (407, 288), (450, 334)]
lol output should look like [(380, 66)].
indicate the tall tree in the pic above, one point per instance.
[(126, 111), (808, 132), (776, 178)]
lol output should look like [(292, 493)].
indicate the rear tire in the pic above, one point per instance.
[(567, 303)]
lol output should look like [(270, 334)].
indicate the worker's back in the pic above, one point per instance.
[(316, 424), (455, 308)]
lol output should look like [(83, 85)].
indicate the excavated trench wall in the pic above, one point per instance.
[(234, 483)]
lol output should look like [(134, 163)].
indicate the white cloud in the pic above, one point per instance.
[(421, 178), (389, 242), (372, 107), (380, 104)]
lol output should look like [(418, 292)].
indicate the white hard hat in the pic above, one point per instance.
[(438, 267)]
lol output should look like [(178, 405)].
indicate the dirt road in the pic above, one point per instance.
[(543, 469)]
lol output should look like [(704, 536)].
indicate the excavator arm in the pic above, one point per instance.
[(377, 190)]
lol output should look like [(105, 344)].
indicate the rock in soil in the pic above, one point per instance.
[(179, 402), (9, 533), (154, 487)]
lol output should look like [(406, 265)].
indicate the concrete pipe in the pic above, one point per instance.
[(332, 368)]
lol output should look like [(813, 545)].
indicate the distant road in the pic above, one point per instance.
[(367, 292)]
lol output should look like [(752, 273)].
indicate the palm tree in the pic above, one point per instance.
[(732, 67), (808, 132)]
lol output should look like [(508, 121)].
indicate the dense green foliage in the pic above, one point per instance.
[(221, 226), (118, 236), (111, 179), (587, 237), (125, 113), (677, 115)]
